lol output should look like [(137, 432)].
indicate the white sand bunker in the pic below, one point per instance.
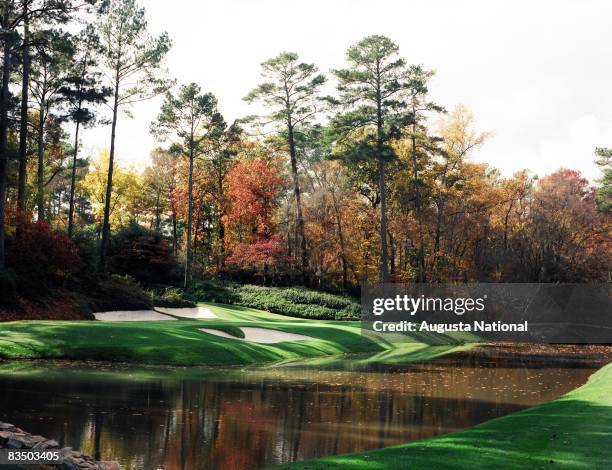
[(196, 312), (260, 335), (132, 315)]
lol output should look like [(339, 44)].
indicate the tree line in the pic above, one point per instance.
[(374, 182)]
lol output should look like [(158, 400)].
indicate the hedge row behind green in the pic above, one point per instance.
[(291, 301)]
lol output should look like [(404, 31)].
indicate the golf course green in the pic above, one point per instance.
[(182, 342), (573, 431)]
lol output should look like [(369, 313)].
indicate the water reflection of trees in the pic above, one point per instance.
[(271, 417)]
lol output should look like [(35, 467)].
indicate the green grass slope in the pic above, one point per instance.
[(571, 432), (182, 343)]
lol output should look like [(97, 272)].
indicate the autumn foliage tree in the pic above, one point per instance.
[(567, 239), (42, 258), (141, 254), (253, 188), (380, 184)]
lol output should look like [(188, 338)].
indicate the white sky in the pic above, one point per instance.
[(538, 74)]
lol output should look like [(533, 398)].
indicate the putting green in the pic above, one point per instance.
[(182, 342)]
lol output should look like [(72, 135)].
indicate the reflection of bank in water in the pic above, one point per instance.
[(164, 417)]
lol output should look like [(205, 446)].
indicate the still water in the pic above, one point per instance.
[(173, 418)]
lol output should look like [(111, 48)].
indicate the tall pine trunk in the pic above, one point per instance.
[(73, 179), (40, 175), (76, 151), (341, 240), (298, 203), (23, 129), (221, 261), (188, 254), (4, 98), (109, 180), (174, 241), (384, 273), (417, 203), (221, 244)]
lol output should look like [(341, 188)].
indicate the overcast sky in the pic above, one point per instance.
[(538, 74)]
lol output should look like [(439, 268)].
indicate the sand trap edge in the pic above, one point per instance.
[(132, 315), (260, 335)]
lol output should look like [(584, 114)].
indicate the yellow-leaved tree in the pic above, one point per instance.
[(127, 198)]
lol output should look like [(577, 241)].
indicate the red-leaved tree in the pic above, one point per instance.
[(253, 188), (42, 257)]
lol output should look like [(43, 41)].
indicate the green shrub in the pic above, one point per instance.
[(119, 293), (171, 298), (350, 312), (212, 291), (273, 300), (291, 301), (86, 241), (304, 296)]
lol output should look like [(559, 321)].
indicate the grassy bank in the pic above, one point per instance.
[(573, 432), (181, 342)]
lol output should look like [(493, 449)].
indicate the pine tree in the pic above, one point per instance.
[(134, 60), (189, 119), (372, 104), (290, 92)]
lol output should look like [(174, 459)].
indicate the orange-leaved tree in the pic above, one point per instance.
[(253, 190)]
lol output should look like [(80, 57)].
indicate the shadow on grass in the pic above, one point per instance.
[(565, 433), (179, 343)]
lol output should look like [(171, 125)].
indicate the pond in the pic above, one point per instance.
[(195, 418)]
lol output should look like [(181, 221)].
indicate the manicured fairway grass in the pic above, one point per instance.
[(571, 432), (181, 342)]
